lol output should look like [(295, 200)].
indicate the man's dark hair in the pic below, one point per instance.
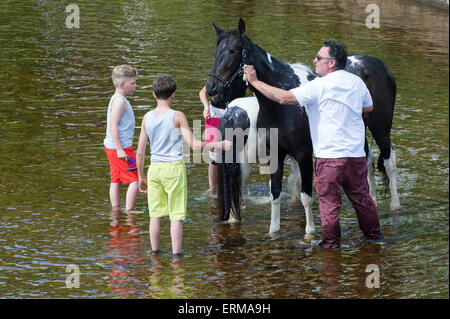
[(164, 86), (337, 52)]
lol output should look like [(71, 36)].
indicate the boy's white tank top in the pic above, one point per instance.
[(126, 125), (166, 141)]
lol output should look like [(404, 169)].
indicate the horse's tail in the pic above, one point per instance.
[(229, 191)]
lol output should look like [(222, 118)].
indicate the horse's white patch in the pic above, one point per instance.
[(275, 215), (269, 57), (307, 202), (250, 105), (353, 60), (302, 71), (232, 219)]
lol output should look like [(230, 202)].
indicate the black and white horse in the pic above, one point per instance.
[(253, 115)]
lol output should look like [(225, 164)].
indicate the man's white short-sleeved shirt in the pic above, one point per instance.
[(334, 106)]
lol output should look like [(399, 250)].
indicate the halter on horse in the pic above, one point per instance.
[(233, 50)]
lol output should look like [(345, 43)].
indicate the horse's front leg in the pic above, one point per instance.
[(306, 171), (275, 192)]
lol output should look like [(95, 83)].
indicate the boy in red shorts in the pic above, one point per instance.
[(119, 138)]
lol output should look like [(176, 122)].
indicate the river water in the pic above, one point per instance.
[(54, 181)]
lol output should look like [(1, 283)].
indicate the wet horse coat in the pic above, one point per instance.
[(234, 49)]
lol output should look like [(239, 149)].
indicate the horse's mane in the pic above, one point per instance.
[(270, 69)]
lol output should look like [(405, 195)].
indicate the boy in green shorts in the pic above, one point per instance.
[(166, 182)]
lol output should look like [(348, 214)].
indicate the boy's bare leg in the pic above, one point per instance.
[(155, 229), (132, 192), (176, 232), (114, 195)]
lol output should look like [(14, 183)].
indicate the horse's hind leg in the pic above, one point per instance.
[(294, 182), (371, 172), (390, 165), (387, 164)]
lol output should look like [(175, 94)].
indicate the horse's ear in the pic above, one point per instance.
[(218, 30), (241, 27)]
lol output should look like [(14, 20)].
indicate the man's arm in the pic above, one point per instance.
[(204, 99), (367, 109), (117, 108), (273, 93), (367, 99)]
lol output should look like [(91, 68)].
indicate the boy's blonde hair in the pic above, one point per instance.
[(123, 73)]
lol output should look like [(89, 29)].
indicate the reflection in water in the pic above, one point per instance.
[(125, 256), (225, 247), (155, 279), (331, 272), (344, 273), (167, 281)]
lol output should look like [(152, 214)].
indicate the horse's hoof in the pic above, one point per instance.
[(274, 229), (310, 230), (232, 220), (274, 236), (308, 238), (395, 205)]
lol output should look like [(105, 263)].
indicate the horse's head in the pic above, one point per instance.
[(225, 78)]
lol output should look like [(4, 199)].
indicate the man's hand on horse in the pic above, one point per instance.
[(251, 73)]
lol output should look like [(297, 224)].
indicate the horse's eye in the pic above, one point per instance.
[(231, 51)]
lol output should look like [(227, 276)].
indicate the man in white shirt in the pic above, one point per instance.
[(334, 104)]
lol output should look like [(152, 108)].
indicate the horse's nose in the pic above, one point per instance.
[(211, 87)]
